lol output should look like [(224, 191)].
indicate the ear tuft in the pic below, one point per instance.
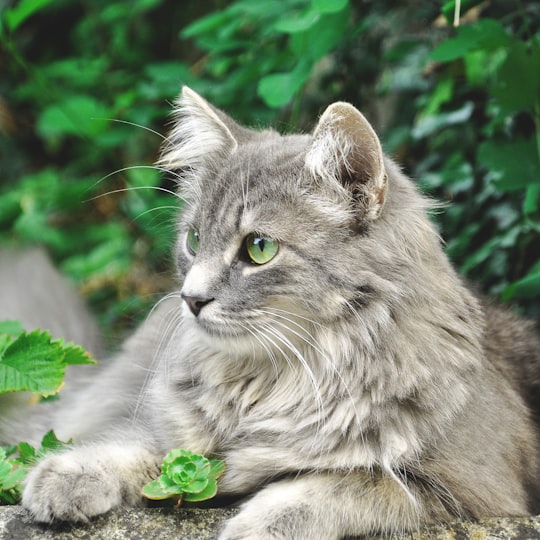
[(346, 154), (199, 136)]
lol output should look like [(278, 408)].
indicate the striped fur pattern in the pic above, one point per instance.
[(353, 384)]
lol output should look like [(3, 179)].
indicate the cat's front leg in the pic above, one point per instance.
[(330, 507), (86, 481)]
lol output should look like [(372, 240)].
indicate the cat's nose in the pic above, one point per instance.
[(196, 303)]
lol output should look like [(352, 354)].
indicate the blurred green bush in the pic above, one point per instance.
[(85, 88)]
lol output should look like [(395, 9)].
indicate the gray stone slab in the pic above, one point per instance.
[(204, 524)]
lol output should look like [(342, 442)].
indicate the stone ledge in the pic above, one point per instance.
[(204, 524)]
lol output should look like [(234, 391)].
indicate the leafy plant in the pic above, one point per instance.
[(185, 476), (457, 106), (34, 361), (14, 463)]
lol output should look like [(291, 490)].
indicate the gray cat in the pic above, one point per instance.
[(321, 344)]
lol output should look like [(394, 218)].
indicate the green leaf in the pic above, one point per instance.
[(485, 34), (10, 208), (35, 363), (74, 354), (278, 89), (79, 115), (513, 164), (13, 479), (300, 23), (15, 16), (27, 453), (205, 25), (207, 493), (517, 85), (329, 6), (527, 287), (11, 328), (320, 38), (50, 443), (428, 125), (153, 490)]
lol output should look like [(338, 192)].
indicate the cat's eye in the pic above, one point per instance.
[(192, 241), (260, 250)]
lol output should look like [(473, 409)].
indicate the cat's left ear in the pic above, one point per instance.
[(347, 152)]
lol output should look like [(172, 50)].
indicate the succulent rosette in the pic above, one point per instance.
[(185, 476)]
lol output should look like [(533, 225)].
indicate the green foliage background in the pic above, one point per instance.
[(86, 88)]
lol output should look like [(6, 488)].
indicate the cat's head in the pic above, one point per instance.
[(276, 230)]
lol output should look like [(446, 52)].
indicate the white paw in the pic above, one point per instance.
[(260, 521), (70, 486)]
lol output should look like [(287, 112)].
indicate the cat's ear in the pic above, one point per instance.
[(201, 134), (346, 150)]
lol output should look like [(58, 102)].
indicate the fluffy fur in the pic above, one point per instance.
[(353, 383)]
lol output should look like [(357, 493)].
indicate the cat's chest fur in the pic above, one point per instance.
[(257, 411)]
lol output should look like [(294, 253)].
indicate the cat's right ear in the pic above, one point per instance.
[(201, 136)]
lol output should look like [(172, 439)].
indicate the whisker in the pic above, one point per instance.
[(136, 188), (138, 167), (134, 124), (313, 343), (167, 336), (289, 345)]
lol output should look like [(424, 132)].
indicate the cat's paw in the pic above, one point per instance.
[(260, 521), (70, 487)]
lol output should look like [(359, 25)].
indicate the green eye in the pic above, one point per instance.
[(192, 241), (261, 250)]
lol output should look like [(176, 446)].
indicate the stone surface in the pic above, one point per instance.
[(204, 524)]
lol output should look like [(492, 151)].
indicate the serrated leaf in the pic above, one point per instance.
[(51, 443), (75, 354), (14, 479), (35, 363), (32, 363), (27, 453)]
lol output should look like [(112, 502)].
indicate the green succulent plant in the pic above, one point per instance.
[(185, 476)]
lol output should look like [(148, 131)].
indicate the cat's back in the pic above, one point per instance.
[(512, 346)]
